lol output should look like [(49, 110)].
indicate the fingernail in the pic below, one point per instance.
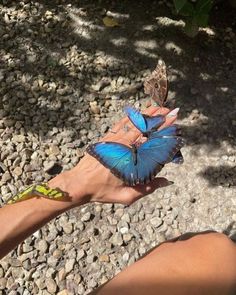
[(173, 113)]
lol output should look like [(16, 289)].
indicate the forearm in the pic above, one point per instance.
[(20, 220)]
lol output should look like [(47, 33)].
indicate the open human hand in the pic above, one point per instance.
[(90, 181)]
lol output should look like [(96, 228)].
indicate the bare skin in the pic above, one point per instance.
[(89, 181), (204, 264)]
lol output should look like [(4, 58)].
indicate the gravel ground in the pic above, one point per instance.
[(64, 78)]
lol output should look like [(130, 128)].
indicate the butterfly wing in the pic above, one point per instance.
[(136, 118), (160, 149), (153, 154), (157, 84), (118, 158), (153, 122), (170, 131), (178, 158), (143, 122)]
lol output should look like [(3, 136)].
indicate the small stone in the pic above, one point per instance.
[(127, 237), (123, 230), (61, 274), (67, 227), (156, 221), (69, 265), (94, 107), (91, 258), (116, 239), (77, 278), (125, 257), (63, 292), (3, 283), (1, 273), (54, 150), (86, 216), (27, 248), (51, 285), (40, 283), (57, 254), (48, 165), (6, 177), (80, 254), (104, 258), (42, 246), (17, 171)]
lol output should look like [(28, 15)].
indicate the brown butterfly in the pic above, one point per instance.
[(156, 84)]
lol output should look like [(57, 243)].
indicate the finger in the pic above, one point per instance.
[(133, 132), (171, 118)]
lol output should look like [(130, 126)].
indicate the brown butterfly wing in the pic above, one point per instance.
[(156, 84)]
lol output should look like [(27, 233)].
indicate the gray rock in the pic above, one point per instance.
[(80, 254), (3, 283), (86, 217), (156, 221), (42, 246), (125, 257), (116, 239), (69, 265), (51, 285), (5, 177)]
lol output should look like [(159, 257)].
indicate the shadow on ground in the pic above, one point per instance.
[(36, 44)]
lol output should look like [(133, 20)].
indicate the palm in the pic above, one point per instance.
[(102, 185)]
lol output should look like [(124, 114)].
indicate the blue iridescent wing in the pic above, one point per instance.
[(118, 158), (170, 131), (160, 149), (143, 122), (137, 164)]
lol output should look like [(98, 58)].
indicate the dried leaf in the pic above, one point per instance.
[(110, 22)]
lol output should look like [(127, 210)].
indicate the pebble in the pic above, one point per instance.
[(104, 258), (42, 246), (86, 217), (18, 171), (50, 285), (80, 254), (48, 165), (3, 283), (5, 177), (69, 265), (94, 107), (156, 222)]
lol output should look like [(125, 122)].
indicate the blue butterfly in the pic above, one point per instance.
[(138, 164), (144, 123), (147, 125)]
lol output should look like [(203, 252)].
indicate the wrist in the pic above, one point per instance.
[(73, 185)]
